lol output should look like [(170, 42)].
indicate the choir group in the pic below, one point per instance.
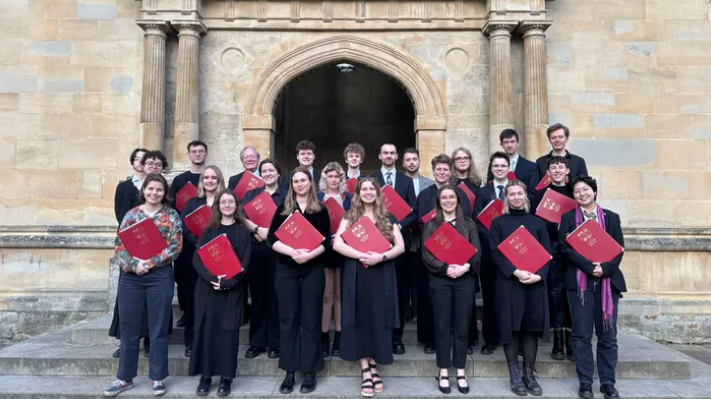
[(295, 294)]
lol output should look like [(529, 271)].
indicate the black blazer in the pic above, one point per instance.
[(486, 195), (576, 165), (317, 178), (404, 188), (125, 199), (525, 171), (577, 261)]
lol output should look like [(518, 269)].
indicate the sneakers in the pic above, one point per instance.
[(158, 388), (117, 387)]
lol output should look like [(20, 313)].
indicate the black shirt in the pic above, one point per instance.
[(576, 165), (179, 182)]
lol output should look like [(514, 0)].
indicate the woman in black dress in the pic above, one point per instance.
[(333, 185), (299, 285), (452, 289), (370, 303), (218, 300), (521, 297)]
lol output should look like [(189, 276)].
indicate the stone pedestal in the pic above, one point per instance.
[(152, 122), (535, 89), (501, 109)]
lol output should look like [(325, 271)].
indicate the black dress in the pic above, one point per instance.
[(520, 307), (218, 314), (369, 305)]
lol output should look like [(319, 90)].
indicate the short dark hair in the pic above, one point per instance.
[(587, 180), (135, 152), (197, 143), (507, 134), (499, 154), (354, 148), (557, 126), (155, 154), (411, 150), (151, 177), (305, 145), (443, 158), (271, 161), (556, 159)]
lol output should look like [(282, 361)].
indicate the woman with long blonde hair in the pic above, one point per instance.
[(369, 303)]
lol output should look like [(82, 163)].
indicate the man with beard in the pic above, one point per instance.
[(411, 163)]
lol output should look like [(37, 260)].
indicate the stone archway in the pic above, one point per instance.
[(430, 123)]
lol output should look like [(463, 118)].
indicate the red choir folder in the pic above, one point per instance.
[(545, 182), (143, 240), (261, 209), (198, 219), (429, 216), (351, 185), (553, 205), (335, 214), (511, 176), (524, 251), (469, 193), (249, 181), (395, 204), (298, 233), (364, 236), (491, 212), (450, 247), (592, 242), (219, 257), (184, 195)]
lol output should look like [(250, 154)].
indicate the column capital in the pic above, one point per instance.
[(528, 28), (190, 28), (497, 28), (154, 27)]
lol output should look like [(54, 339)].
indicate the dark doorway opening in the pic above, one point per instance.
[(332, 109)]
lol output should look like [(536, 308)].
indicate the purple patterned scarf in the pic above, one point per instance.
[(607, 305)]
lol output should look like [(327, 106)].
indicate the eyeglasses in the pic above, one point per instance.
[(156, 164)]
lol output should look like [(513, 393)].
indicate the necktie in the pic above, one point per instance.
[(501, 192), (388, 179), (591, 215)]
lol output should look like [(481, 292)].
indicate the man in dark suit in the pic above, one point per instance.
[(250, 161), (388, 175), (558, 136), (306, 154), (126, 197), (524, 169)]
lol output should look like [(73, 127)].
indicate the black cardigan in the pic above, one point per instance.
[(438, 268)]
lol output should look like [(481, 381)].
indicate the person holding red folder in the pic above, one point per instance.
[(465, 170), (264, 317), (300, 283), (211, 183), (521, 297), (594, 290), (557, 296), (370, 302), (218, 300), (147, 285), (452, 289), (249, 156), (332, 185)]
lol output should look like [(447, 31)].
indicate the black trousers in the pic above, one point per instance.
[(473, 325), (452, 301), (425, 312), (559, 309), (404, 269), (152, 292), (264, 312), (490, 329), (300, 295), (187, 285), (585, 317)]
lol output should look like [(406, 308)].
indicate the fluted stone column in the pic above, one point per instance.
[(152, 123), (187, 105), (501, 107), (535, 88)]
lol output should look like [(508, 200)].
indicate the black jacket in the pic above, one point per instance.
[(125, 199), (576, 165), (405, 189), (525, 171)]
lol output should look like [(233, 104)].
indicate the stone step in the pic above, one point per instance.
[(638, 359), (15, 387)]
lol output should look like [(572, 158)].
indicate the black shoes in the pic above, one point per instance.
[(558, 352), (429, 348), (488, 349), (181, 322), (204, 386), (517, 385), (188, 351), (445, 390), (336, 348), (273, 353), (398, 346), (309, 383), (225, 387), (326, 343), (530, 379), (117, 353), (585, 391), (253, 352), (609, 391), (287, 386), (463, 389)]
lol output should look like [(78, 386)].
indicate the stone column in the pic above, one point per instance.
[(501, 109), (153, 91), (535, 89), (187, 105)]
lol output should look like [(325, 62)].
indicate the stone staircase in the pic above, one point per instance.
[(76, 363)]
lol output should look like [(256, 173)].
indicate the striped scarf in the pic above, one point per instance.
[(607, 305)]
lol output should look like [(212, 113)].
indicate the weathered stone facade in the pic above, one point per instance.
[(82, 82)]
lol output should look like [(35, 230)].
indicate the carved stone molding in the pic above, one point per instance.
[(191, 28), (494, 28), (154, 28), (533, 28)]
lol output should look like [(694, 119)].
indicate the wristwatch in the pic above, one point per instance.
[(385, 257), (256, 230)]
